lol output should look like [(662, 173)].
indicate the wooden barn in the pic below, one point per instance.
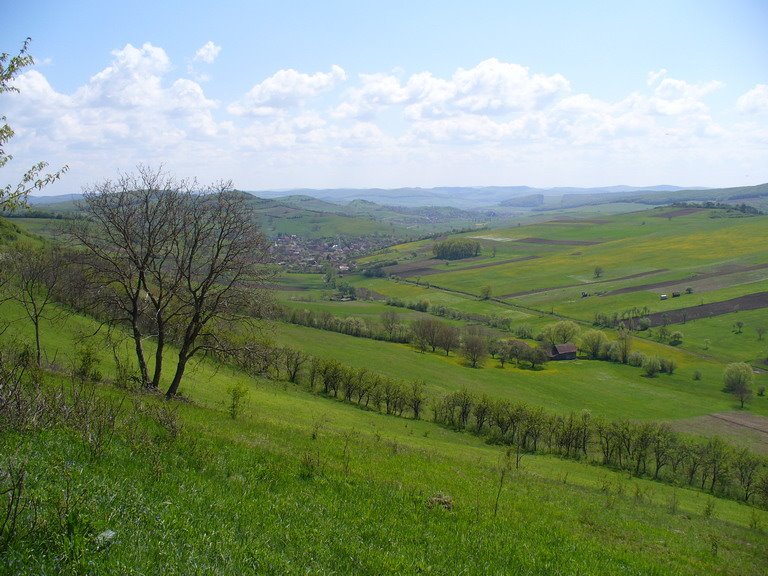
[(565, 351)]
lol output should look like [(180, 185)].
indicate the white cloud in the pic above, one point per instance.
[(496, 121), (492, 87), (207, 53), (754, 101), (656, 75), (285, 89)]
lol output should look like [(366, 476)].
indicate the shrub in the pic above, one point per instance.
[(613, 352), (643, 323), (636, 359), (697, 375), (668, 365), (86, 364), (651, 366), (236, 396), (524, 331)]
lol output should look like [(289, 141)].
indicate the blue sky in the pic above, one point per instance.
[(386, 94)]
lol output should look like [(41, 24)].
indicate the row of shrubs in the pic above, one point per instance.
[(643, 449)]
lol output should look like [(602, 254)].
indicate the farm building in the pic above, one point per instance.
[(565, 351)]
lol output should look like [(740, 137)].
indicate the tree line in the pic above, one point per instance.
[(456, 249), (643, 449)]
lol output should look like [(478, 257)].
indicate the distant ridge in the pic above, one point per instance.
[(34, 200), (465, 197), (484, 197)]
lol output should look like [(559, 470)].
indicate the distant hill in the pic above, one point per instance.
[(752, 195), (35, 200), (464, 197), (367, 201)]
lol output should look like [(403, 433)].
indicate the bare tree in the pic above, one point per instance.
[(426, 333), (390, 321), (129, 232), (221, 258), (174, 260), (32, 276), (448, 338), (474, 348), (294, 360)]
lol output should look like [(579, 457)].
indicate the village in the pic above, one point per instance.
[(308, 255)]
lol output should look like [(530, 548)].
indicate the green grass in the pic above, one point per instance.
[(606, 389), (334, 489), (719, 338), (300, 483), (678, 249)]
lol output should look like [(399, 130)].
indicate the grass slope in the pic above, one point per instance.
[(298, 483)]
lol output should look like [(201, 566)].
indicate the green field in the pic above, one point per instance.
[(299, 483)]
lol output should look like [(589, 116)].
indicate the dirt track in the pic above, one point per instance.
[(748, 302), (747, 429), (557, 242), (576, 221), (584, 285), (418, 269), (680, 212), (722, 272)]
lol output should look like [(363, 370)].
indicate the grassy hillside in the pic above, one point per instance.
[(298, 483), (247, 474), (543, 269)]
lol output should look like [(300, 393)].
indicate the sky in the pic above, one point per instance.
[(390, 93)]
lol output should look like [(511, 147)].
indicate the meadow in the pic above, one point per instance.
[(245, 473), (335, 489)]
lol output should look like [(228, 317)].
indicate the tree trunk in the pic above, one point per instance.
[(180, 367), (158, 357), (39, 356), (140, 353)]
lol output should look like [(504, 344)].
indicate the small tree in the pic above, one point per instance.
[(485, 292), (623, 344), (474, 349), (739, 326), (738, 378), (676, 338), (592, 342), (760, 332), (390, 321), (598, 271), (33, 276), (560, 332), (448, 338), (426, 333), (535, 355)]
